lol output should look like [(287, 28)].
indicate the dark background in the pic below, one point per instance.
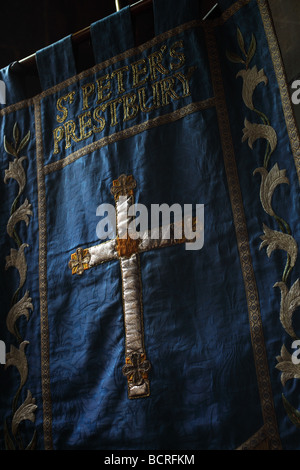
[(30, 25), (27, 26)]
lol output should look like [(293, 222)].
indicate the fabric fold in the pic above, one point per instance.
[(56, 63), (171, 13), (112, 35)]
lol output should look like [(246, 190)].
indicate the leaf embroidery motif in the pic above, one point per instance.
[(252, 132), (22, 307), (17, 260), (269, 181), (17, 357), (275, 240), (15, 149), (19, 307), (286, 366), (251, 78), (22, 213), (16, 171), (283, 240), (290, 301), (248, 56), (25, 411)]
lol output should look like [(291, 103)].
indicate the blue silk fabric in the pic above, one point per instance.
[(200, 114)]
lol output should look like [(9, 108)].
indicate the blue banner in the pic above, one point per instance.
[(149, 342)]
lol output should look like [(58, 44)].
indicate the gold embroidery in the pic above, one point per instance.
[(120, 77), (127, 247), (136, 71), (167, 91), (286, 366), (142, 101), (112, 105), (21, 213), (87, 91), (255, 321), (101, 88), (290, 301), (69, 97), (85, 124), (15, 149), (133, 131), (99, 119), (79, 261), (16, 171), (251, 78), (70, 127), (155, 62), (25, 412), (16, 259), (17, 358), (179, 55), (253, 131), (162, 92), (127, 250), (282, 83), (269, 181), (58, 135), (275, 240), (123, 186), (130, 106), (42, 220), (126, 133), (136, 368), (22, 307)]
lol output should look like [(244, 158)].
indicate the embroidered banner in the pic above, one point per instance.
[(149, 342)]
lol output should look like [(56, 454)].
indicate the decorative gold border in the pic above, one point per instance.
[(256, 329), (282, 81), (45, 349)]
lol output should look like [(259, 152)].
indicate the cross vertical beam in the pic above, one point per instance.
[(127, 251)]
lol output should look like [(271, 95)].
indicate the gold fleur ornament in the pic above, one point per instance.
[(80, 261), (253, 131), (251, 78)]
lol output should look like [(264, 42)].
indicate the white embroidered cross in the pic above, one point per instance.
[(127, 250)]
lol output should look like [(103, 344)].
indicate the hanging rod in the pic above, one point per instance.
[(84, 34)]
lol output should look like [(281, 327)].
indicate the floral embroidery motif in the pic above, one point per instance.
[(136, 368), (123, 186), (79, 261), (271, 178), (19, 306)]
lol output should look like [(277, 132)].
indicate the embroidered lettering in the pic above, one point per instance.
[(156, 80), (63, 109)]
